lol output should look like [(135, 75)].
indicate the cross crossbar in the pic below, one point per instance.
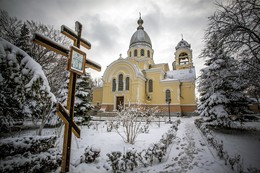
[(49, 44), (73, 35), (64, 115), (60, 49)]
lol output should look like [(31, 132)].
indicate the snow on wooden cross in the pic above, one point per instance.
[(76, 65)]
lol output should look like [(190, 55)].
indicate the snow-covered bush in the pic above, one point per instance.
[(131, 159), (32, 144), (234, 160), (114, 160), (31, 163), (112, 124), (25, 90), (6, 122), (90, 154), (157, 151), (29, 154)]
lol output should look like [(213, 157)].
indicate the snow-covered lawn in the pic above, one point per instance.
[(189, 152), (244, 142)]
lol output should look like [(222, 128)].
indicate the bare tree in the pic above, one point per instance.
[(237, 26), (9, 27), (133, 120), (53, 65)]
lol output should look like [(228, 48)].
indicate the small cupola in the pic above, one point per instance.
[(183, 56)]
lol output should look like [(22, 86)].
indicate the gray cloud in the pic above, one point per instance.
[(109, 25)]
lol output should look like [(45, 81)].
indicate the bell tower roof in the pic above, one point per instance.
[(182, 44)]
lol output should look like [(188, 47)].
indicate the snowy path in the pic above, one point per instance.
[(190, 153)]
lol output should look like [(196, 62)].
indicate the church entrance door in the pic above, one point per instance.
[(119, 103)]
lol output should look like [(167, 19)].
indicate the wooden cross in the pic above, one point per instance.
[(76, 65)]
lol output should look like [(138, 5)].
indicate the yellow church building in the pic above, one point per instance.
[(136, 79)]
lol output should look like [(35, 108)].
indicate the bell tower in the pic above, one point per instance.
[(183, 56)]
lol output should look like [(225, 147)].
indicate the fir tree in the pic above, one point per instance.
[(220, 86), (63, 92), (83, 96), (24, 39)]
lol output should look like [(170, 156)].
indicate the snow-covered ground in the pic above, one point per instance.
[(245, 143), (189, 152)]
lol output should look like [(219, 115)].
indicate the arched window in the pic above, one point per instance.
[(120, 83), (127, 84), (135, 52), (130, 54), (142, 52), (183, 58), (168, 96), (148, 53), (150, 85), (114, 85)]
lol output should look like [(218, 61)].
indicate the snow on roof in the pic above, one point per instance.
[(182, 75)]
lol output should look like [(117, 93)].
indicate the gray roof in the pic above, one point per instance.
[(140, 37), (182, 44)]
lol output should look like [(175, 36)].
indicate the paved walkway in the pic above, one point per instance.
[(190, 153)]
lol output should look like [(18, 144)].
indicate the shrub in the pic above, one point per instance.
[(91, 154)]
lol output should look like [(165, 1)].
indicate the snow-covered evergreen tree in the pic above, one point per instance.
[(83, 96), (23, 41), (63, 92), (220, 85), (25, 90)]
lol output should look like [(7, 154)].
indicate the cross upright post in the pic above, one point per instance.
[(76, 66), (70, 105)]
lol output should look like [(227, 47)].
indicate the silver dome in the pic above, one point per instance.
[(182, 44), (140, 37)]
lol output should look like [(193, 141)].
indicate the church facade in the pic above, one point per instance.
[(136, 79)]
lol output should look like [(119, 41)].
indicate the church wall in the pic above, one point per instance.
[(173, 87), (188, 108), (187, 93), (97, 95), (107, 93)]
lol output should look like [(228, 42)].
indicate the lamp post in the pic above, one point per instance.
[(168, 100)]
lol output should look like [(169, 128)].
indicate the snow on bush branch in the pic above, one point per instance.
[(25, 90), (29, 154), (33, 144), (131, 159), (90, 154), (132, 119)]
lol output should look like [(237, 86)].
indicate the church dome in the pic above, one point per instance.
[(182, 44), (140, 37)]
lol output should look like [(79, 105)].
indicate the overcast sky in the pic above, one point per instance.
[(109, 24)]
